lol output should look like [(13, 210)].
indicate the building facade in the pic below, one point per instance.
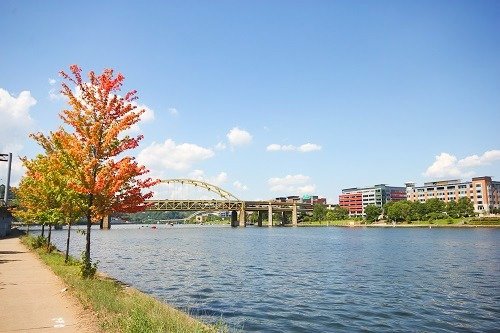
[(356, 199), (482, 191)]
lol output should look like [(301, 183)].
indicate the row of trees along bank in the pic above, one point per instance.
[(431, 209), (84, 171)]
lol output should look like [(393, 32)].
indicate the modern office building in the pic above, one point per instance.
[(482, 191), (356, 199)]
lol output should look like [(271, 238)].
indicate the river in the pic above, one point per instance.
[(311, 279)]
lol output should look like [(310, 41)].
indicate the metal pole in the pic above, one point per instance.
[(8, 180)]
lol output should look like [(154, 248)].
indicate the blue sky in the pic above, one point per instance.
[(271, 98)]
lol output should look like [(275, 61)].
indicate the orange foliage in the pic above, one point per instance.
[(99, 117)]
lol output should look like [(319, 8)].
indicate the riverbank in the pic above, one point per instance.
[(441, 223), (115, 307)]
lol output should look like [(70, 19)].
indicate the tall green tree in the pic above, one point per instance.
[(372, 213), (452, 209), (319, 212), (465, 207)]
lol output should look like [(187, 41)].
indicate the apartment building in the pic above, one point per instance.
[(482, 191), (356, 199)]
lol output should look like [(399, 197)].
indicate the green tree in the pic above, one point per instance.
[(337, 213), (465, 207), (372, 212), (394, 212), (418, 211), (386, 207), (319, 212), (435, 206), (452, 209)]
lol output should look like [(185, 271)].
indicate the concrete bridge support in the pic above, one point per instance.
[(106, 222), (294, 215), (242, 218), (234, 218), (270, 215)]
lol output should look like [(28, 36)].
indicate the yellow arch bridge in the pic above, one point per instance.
[(228, 202)]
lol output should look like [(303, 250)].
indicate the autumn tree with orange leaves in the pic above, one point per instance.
[(94, 147)]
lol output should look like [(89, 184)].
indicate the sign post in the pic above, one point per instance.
[(7, 158)]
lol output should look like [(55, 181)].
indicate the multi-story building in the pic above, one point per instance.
[(482, 191), (356, 199), (309, 199)]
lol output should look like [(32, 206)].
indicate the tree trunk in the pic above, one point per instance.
[(43, 230), (67, 244), (48, 238), (89, 225), (28, 230), (101, 223)]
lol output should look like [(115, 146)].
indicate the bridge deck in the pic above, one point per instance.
[(224, 205)]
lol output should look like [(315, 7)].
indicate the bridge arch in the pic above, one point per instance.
[(198, 183)]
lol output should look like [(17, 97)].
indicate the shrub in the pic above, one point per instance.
[(87, 268)]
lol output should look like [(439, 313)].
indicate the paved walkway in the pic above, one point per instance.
[(32, 298)]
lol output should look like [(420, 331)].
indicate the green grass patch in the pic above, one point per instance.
[(337, 223), (117, 307), (487, 221)]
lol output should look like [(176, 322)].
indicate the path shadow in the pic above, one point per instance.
[(3, 261), (12, 252)]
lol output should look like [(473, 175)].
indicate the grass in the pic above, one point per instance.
[(458, 222), (119, 308)]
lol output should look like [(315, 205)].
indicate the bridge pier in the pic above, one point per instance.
[(294, 215), (106, 222), (234, 218), (270, 215), (242, 218)]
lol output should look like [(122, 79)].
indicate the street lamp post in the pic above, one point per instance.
[(7, 158)]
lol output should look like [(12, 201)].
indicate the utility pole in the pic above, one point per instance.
[(7, 158)]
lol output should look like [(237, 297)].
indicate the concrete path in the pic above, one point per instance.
[(32, 298)]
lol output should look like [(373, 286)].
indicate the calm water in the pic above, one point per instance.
[(312, 279)]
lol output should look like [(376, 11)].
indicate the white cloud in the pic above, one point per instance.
[(220, 146), (308, 147), (447, 165), (217, 180), (169, 155), (173, 111), (17, 171), (291, 184), (238, 137), (475, 160), (240, 186), (55, 95), (273, 147), (305, 148), (15, 119)]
